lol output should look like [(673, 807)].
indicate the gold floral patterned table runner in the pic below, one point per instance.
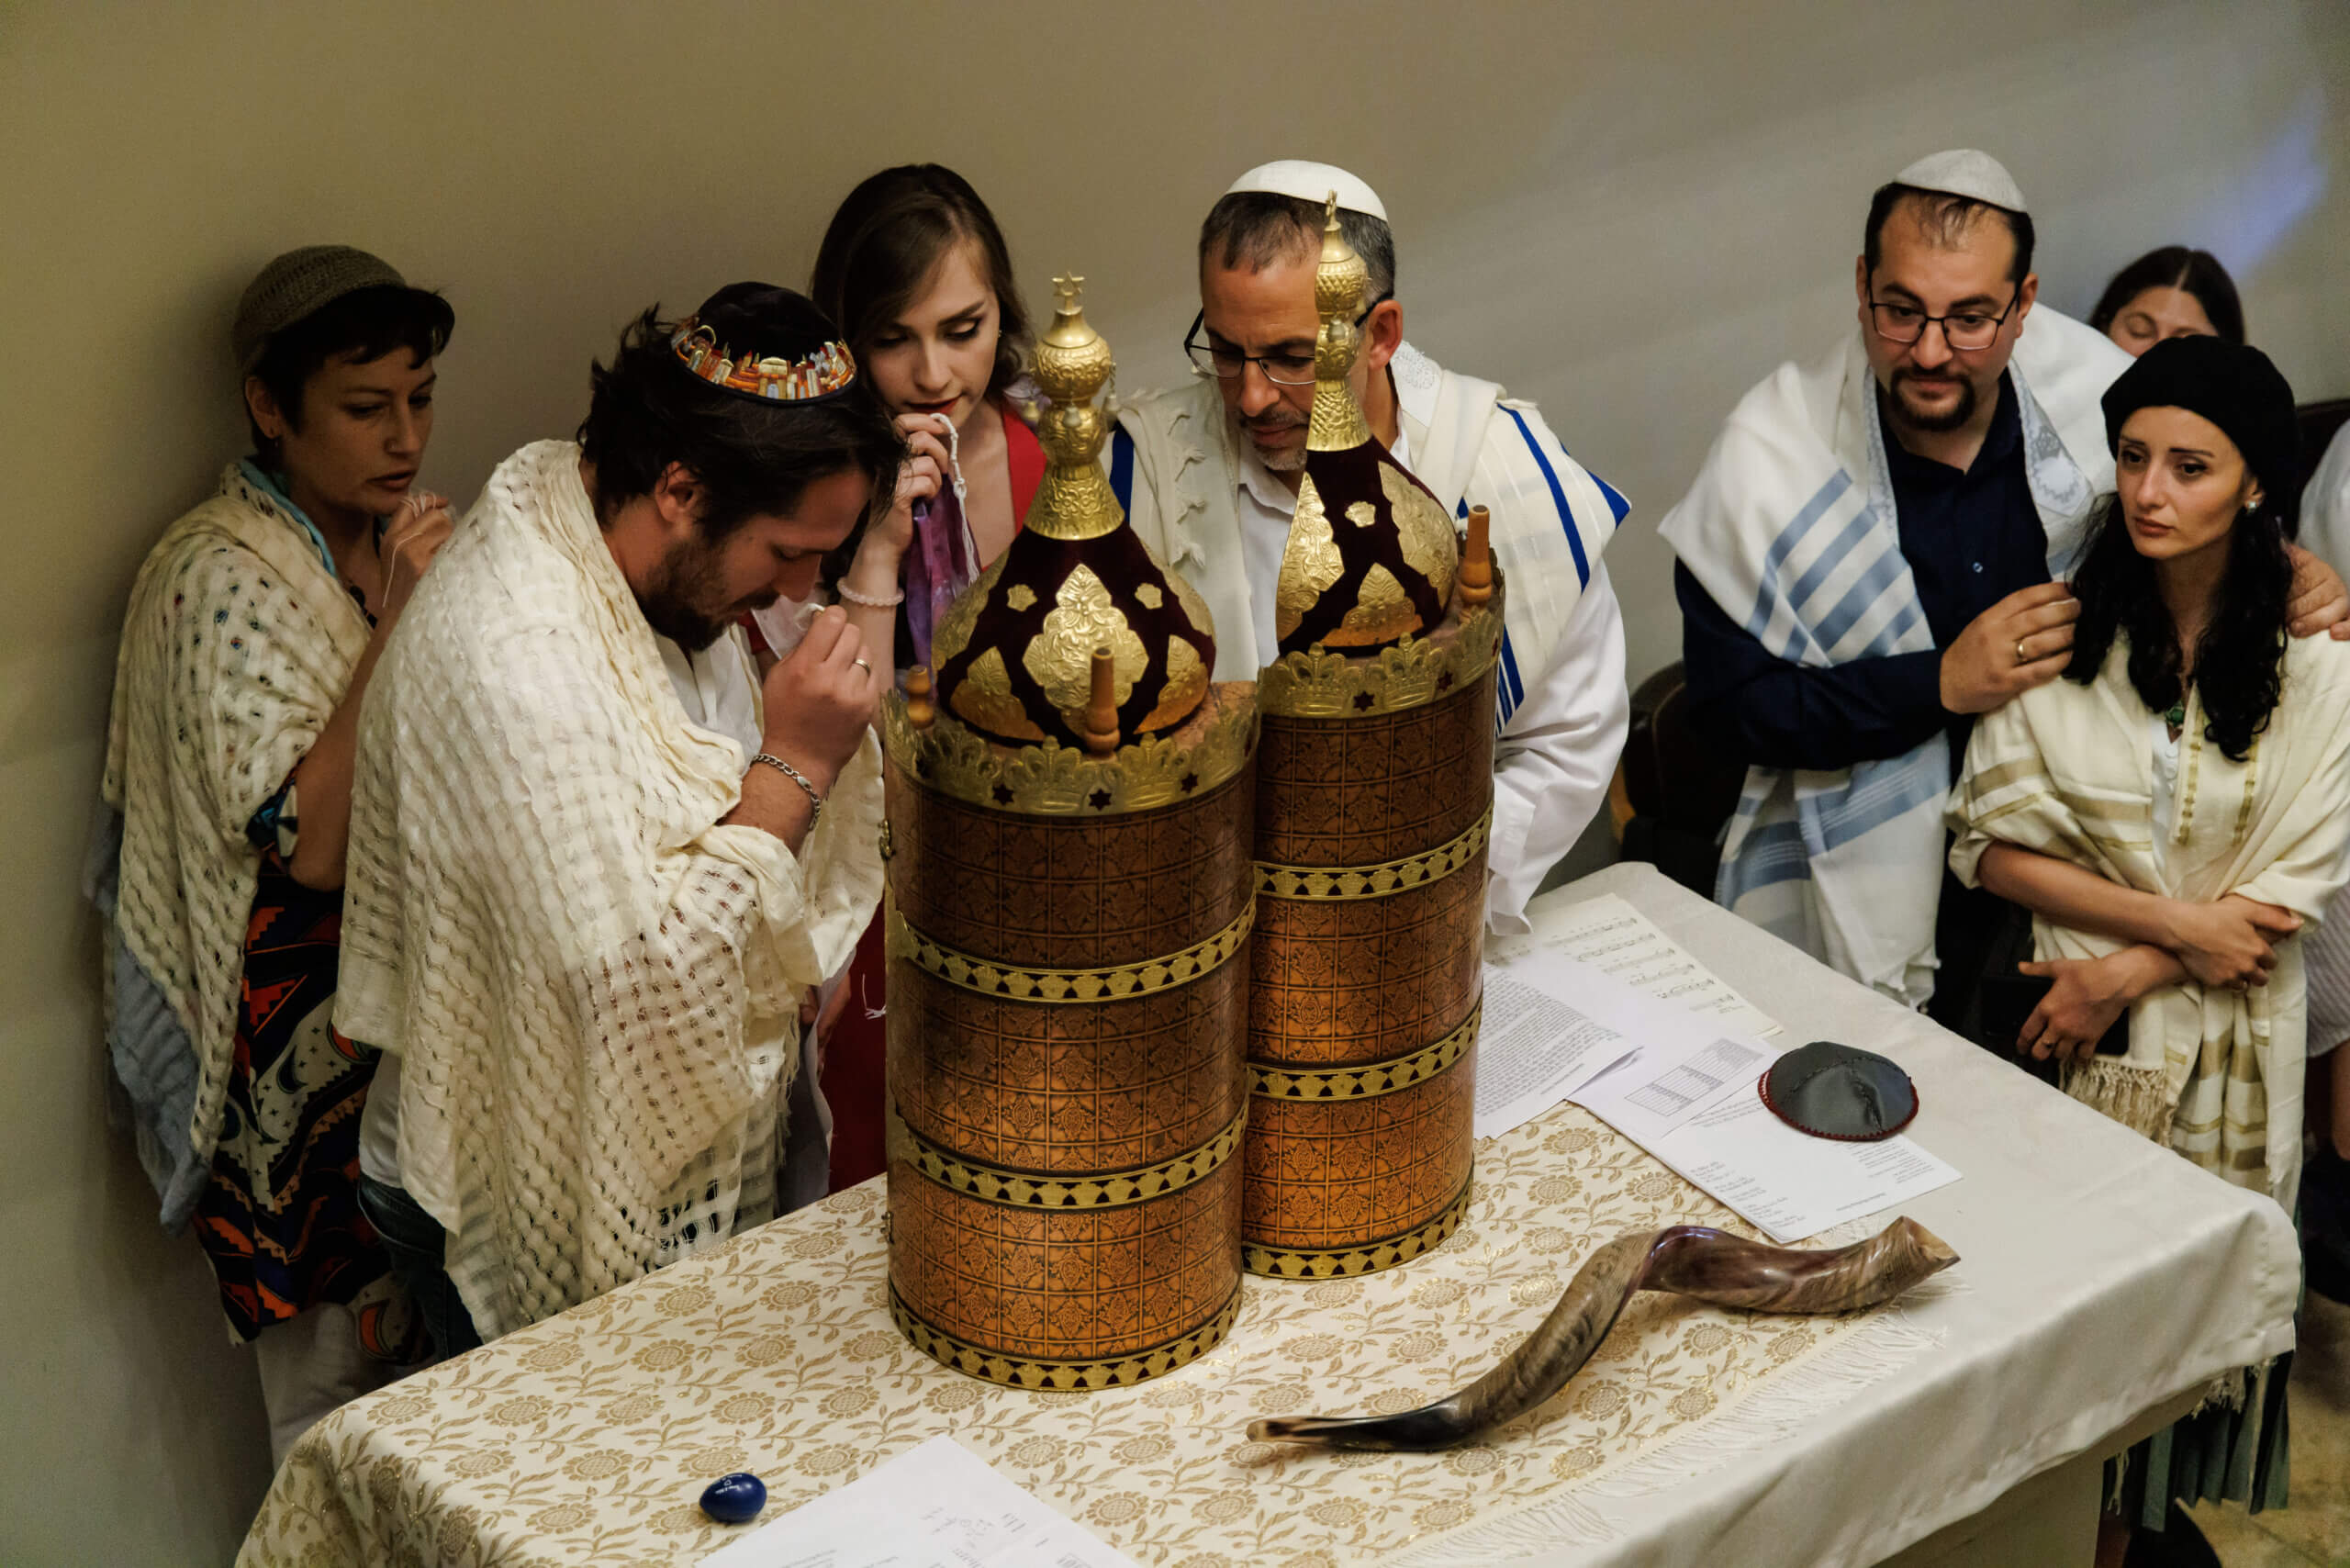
[(589, 1438)]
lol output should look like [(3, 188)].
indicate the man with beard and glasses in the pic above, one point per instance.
[(1874, 555), (1209, 475), (594, 862)]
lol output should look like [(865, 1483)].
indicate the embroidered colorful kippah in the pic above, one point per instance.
[(828, 370)]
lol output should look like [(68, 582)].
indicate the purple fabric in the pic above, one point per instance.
[(941, 564)]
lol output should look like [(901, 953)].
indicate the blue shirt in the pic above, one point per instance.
[(1972, 536)]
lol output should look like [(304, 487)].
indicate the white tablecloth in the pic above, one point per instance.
[(2103, 1276), (2100, 1277)]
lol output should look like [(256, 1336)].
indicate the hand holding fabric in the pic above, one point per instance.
[(2321, 602), (2229, 942), (2025, 640), (819, 701), (919, 478), (411, 539), (2087, 997)]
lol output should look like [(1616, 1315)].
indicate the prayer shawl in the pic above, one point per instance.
[(1791, 529), (2067, 770), (1175, 465), (237, 648), (591, 982)]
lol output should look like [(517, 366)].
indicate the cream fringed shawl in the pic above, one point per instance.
[(2067, 770), (586, 976), (237, 648)]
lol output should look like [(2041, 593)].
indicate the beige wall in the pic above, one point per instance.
[(1627, 212)]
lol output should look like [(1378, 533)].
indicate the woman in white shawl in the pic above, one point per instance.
[(2173, 812), (248, 643)]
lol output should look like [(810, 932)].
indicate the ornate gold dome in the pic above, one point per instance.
[(1371, 554), (1015, 650)]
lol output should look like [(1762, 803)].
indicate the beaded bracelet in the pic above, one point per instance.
[(867, 600), (815, 800)]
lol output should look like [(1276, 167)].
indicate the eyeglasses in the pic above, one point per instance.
[(1281, 369), (1964, 330)]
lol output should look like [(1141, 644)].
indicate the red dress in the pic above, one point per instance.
[(855, 1049)]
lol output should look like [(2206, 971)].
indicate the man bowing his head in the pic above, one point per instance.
[(592, 866)]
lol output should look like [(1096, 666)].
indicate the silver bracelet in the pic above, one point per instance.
[(815, 801), (854, 597)]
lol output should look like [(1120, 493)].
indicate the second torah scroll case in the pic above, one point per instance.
[(1375, 798)]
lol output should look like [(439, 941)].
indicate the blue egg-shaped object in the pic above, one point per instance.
[(730, 1500)]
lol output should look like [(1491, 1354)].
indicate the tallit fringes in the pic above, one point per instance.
[(2139, 1098)]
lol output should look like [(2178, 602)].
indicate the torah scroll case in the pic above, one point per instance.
[(1068, 947), (1374, 797)]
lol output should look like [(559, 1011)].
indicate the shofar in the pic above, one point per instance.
[(1688, 1259)]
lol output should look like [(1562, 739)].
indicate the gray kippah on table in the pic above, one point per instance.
[(298, 284)]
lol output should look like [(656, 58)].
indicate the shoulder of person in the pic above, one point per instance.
[(203, 559), (2049, 338), (1165, 411), (2320, 666)]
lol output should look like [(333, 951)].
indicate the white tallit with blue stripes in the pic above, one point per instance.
[(1791, 529)]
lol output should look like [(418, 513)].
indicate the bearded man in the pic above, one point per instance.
[(1874, 555), (593, 866), (1209, 475)]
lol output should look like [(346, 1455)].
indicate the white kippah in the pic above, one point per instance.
[(1310, 182), (1964, 172)]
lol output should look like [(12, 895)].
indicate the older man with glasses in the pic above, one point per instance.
[(1873, 555), (1209, 474)]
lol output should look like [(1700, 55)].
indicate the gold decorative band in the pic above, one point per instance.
[(1052, 781), (1278, 1082), (1282, 1265), (1334, 882), (1021, 1372), (1029, 1190), (1116, 984), (1321, 684)]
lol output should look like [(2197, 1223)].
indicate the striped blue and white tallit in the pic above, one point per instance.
[(1790, 527)]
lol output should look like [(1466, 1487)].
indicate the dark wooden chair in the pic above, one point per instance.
[(1673, 788)]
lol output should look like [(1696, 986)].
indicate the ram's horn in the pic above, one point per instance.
[(1688, 1259)]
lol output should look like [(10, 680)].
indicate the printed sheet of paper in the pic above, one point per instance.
[(938, 1505), (1534, 1048), (1611, 935), (1681, 1086)]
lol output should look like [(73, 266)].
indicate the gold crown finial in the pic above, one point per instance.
[(1072, 361), (1340, 279), (1076, 634)]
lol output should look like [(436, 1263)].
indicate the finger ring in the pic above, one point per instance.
[(863, 666), (2020, 658)]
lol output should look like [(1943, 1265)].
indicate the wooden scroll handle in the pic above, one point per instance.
[(1476, 580), (1099, 731), (919, 712)]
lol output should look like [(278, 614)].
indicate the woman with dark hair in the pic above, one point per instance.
[(916, 272), (2171, 293), (253, 633), (915, 269), (2173, 812)]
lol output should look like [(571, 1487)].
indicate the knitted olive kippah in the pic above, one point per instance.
[(295, 285)]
